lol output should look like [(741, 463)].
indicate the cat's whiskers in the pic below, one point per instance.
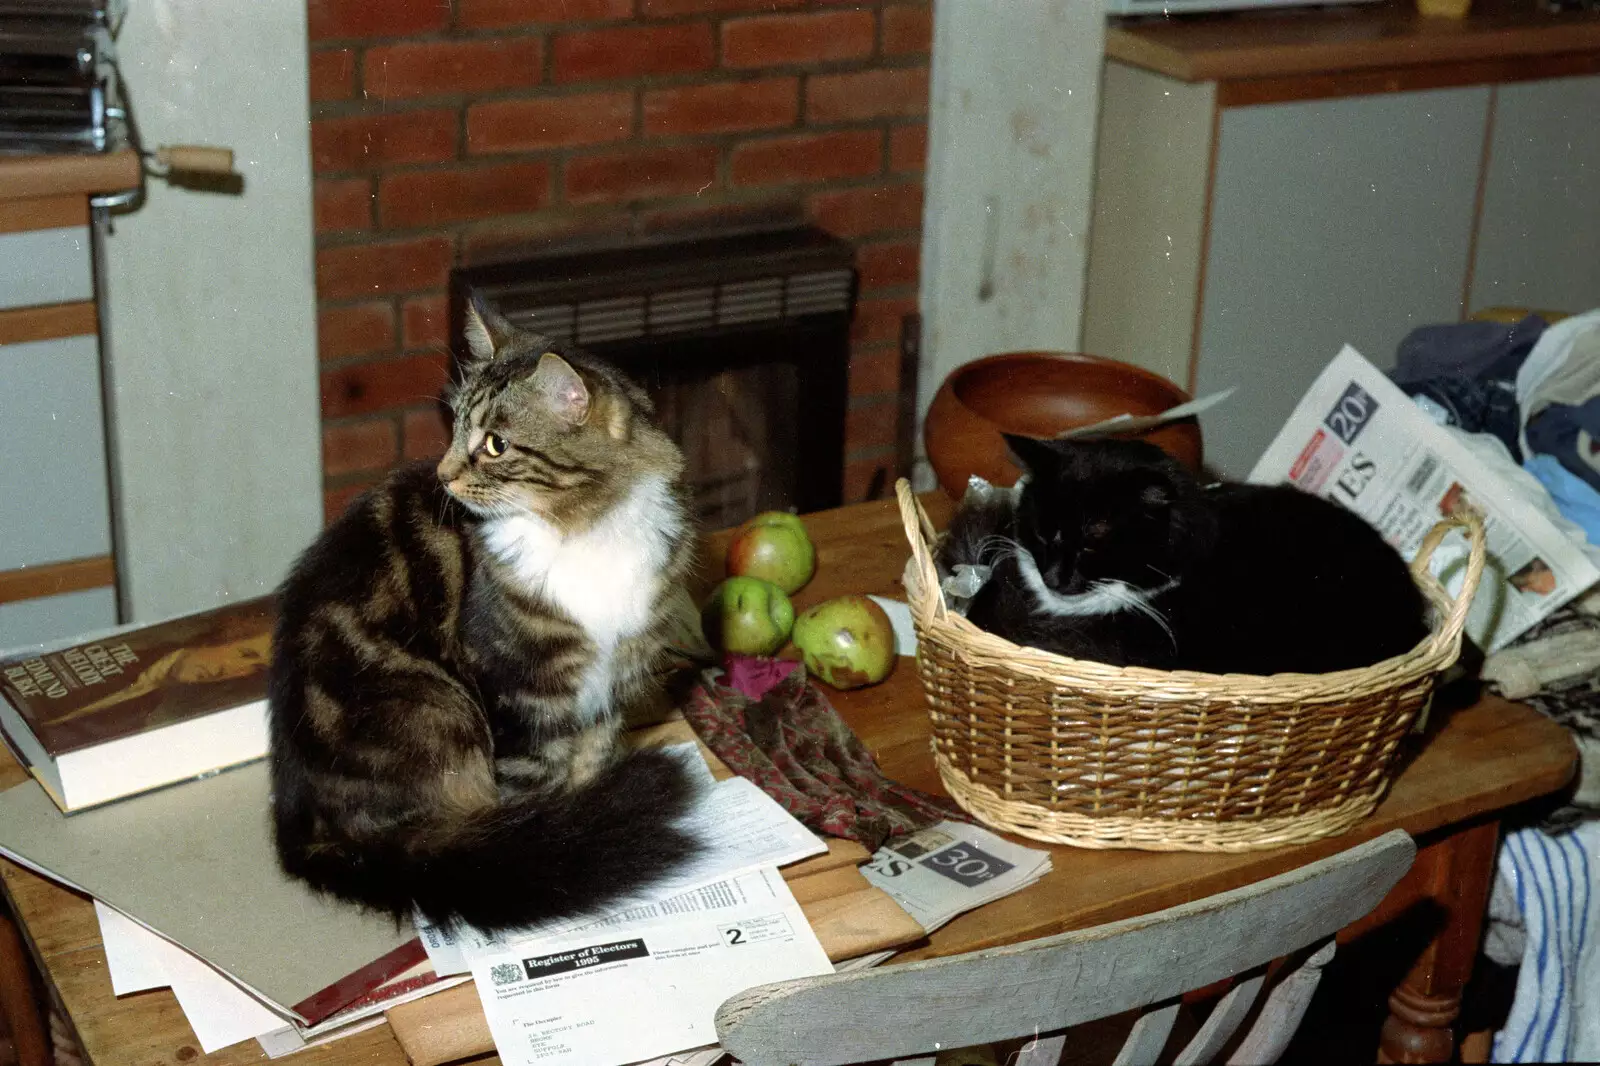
[(1102, 597), (1139, 600), (1003, 547)]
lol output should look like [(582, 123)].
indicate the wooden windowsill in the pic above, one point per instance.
[(1263, 44)]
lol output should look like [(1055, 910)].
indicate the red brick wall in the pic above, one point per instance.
[(459, 131)]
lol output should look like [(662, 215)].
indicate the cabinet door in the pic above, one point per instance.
[(26, 624), (58, 267), (1539, 237), (1332, 221), (54, 497)]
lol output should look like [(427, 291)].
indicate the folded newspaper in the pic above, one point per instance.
[(948, 869), (1355, 438)]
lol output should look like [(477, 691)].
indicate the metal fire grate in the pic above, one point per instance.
[(734, 335)]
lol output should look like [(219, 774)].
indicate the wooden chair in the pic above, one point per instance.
[(1043, 986)]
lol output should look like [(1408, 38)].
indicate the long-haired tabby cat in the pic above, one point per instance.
[(1113, 552), (453, 653)]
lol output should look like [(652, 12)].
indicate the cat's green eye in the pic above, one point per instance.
[(494, 445)]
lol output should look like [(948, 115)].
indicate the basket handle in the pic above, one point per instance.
[(1470, 521), (921, 536)]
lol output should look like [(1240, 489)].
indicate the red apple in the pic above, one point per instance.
[(773, 546), (848, 642)]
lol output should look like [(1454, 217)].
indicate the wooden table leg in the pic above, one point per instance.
[(1458, 872)]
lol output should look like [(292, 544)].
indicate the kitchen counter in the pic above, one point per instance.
[(1359, 37)]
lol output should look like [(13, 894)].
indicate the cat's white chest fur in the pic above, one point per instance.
[(606, 578)]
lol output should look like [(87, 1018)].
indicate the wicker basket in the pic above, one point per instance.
[(1096, 756)]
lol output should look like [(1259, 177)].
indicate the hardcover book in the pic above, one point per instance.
[(142, 708)]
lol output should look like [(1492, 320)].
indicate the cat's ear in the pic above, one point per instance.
[(1034, 455), (486, 330), (562, 388)]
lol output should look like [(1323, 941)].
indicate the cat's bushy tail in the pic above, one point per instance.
[(528, 860)]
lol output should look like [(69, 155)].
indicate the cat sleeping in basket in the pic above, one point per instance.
[(1109, 550)]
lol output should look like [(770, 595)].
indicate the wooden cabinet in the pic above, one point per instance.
[(1262, 200), (57, 557), (1539, 232)]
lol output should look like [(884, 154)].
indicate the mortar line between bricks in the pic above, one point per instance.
[(663, 80), (729, 140)]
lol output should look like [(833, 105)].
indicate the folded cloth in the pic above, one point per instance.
[(1555, 668), (1465, 349), (1546, 897), (1574, 497), (792, 743), (1466, 372), (1571, 433), (1548, 364)]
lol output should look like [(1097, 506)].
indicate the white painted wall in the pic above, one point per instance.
[(1011, 146), (210, 313)]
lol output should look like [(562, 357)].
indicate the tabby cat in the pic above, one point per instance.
[(1112, 551), (453, 655)]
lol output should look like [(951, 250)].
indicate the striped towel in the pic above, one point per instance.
[(1549, 883)]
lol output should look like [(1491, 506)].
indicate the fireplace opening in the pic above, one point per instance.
[(742, 341)]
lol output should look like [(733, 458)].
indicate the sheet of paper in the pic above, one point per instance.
[(743, 828), (698, 1057), (133, 963), (693, 761), (554, 1002), (287, 1041), (899, 612), (1126, 423), (219, 1011)]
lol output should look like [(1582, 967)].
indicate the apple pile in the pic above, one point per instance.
[(847, 641)]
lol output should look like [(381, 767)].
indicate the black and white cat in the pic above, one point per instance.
[(1112, 551)]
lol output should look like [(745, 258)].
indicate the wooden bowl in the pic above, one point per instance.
[(1041, 394)]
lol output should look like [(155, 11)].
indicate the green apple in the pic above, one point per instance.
[(774, 547), (848, 642), (747, 616)]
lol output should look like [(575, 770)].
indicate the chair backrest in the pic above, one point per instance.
[(1049, 984)]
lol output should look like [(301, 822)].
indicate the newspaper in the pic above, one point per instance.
[(553, 1001), (1355, 438), (945, 870)]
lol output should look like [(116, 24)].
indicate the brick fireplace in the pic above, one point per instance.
[(458, 133)]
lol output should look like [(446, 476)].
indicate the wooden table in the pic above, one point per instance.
[(1480, 762)]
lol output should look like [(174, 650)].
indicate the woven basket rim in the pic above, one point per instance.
[(1439, 649), (1150, 833)]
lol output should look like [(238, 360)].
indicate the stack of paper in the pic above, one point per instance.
[(194, 866), (743, 829), (221, 1012), (165, 868), (723, 924)]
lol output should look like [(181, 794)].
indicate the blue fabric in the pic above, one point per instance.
[(1576, 499), (1570, 433), (1465, 349), (1553, 1016)]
